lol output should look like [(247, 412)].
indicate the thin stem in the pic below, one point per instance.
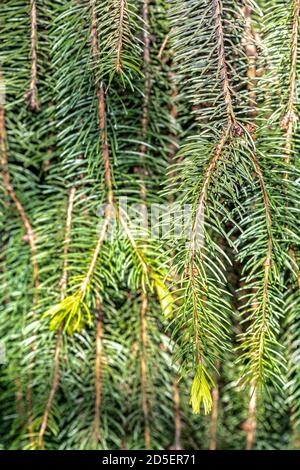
[(100, 91), (101, 107), (32, 95), (63, 288), (119, 45), (86, 281), (30, 235), (31, 238), (223, 70), (105, 155), (251, 53), (163, 45)]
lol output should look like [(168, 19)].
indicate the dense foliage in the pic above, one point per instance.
[(149, 224)]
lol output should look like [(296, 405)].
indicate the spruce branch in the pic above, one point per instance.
[(63, 289), (30, 235), (31, 238)]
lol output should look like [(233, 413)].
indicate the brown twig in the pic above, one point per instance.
[(163, 45), (142, 171), (251, 53), (101, 109), (30, 235), (63, 288), (250, 48), (107, 215), (105, 154), (31, 239), (32, 94), (223, 70)]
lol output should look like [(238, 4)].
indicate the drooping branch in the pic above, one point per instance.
[(101, 107), (194, 242), (30, 235), (231, 118), (63, 288), (231, 129), (100, 92), (107, 216), (31, 238), (251, 53), (269, 253)]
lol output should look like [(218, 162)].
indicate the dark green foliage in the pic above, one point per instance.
[(168, 335)]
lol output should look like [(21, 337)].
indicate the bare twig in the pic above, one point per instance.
[(163, 45)]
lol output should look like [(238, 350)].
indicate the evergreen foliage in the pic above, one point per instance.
[(123, 328)]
